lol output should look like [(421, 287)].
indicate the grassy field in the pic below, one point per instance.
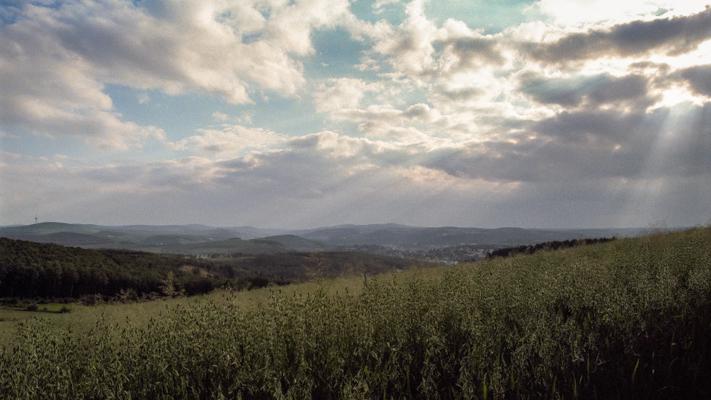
[(625, 319), (82, 318)]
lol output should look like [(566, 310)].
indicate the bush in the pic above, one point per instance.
[(32, 307)]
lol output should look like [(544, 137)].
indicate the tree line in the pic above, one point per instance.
[(50, 271), (552, 245), (39, 270)]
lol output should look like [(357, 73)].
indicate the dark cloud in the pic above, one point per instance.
[(581, 125), (670, 35), (592, 90), (578, 146), (698, 78)]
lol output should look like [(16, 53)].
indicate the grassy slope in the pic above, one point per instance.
[(82, 318), (629, 319)]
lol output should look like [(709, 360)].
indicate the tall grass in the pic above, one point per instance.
[(627, 319)]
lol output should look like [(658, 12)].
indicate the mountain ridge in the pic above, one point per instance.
[(205, 239)]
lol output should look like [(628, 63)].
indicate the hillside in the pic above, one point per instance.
[(630, 318), (155, 238), (392, 239), (29, 270), (296, 243), (409, 237), (39, 270), (228, 246)]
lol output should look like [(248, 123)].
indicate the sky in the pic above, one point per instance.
[(305, 113)]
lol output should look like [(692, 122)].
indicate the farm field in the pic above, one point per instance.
[(629, 318)]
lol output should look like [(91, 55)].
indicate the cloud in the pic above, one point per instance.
[(47, 91), (441, 123), (591, 145), (587, 12), (671, 35), (419, 48), (379, 5), (586, 90), (409, 49), (190, 46), (466, 52), (326, 177), (228, 141), (55, 61), (698, 78), (341, 94)]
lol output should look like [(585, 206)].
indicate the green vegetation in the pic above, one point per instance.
[(48, 271), (554, 245), (267, 245), (38, 270), (626, 319)]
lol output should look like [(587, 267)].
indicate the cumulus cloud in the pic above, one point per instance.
[(587, 121), (418, 48), (461, 53), (326, 177), (56, 60), (409, 48), (341, 94), (47, 91), (177, 47)]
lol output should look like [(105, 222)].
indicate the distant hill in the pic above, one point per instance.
[(43, 270), (181, 239), (296, 243), (45, 228), (409, 237), (229, 246), (202, 239)]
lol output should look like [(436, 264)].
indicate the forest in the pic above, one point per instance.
[(49, 271)]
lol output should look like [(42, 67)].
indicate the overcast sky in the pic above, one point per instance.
[(276, 113)]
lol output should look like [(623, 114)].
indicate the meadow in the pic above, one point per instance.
[(629, 318)]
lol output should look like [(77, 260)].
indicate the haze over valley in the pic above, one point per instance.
[(444, 244)]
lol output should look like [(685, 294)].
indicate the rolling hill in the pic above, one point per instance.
[(626, 319), (410, 237), (201, 239), (43, 270)]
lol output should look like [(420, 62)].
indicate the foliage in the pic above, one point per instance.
[(624, 319), (553, 245), (40, 270)]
